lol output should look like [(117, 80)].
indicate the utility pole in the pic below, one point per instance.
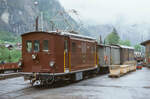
[(52, 23), (36, 23), (42, 21), (100, 39), (37, 18)]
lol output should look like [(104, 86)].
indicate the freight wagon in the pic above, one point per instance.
[(9, 67), (103, 57), (115, 55), (127, 53)]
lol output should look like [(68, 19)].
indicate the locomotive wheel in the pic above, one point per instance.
[(2, 71)]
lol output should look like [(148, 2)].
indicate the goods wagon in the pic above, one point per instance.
[(115, 55), (131, 54), (51, 56), (126, 53), (103, 57), (9, 67)]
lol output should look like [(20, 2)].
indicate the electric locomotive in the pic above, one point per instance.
[(51, 56)]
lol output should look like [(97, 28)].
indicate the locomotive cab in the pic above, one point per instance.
[(39, 52)]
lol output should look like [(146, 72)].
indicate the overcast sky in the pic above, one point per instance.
[(110, 11)]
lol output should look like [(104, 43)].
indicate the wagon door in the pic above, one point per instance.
[(66, 55), (107, 53), (101, 55), (46, 55)]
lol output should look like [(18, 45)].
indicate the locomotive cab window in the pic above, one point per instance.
[(66, 46), (45, 45), (29, 46), (36, 46)]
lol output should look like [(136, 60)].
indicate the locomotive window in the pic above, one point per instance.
[(92, 49), (36, 46), (66, 46), (83, 47), (73, 47), (29, 46), (45, 45)]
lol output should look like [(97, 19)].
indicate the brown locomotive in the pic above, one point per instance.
[(51, 56)]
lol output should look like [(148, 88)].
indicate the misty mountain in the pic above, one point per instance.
[(18, 16), (136, 33)]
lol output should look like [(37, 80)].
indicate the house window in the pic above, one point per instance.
[(45, 45), (29, 46), (36, 46), (73, 47)]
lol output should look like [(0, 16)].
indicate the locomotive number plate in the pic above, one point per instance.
[(79, 76)]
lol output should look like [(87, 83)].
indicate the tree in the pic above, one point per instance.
[(137, 47), (6, 36), (113, 37), (9, 55), (125, 42), (4, 54), (15, 55)]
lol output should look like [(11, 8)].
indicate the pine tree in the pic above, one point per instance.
[(113, 37)]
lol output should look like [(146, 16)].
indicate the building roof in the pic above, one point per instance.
[(145, 42)]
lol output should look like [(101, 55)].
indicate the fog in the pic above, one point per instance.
[(109, 11)]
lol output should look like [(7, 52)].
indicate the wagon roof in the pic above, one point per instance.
[(128, 47), (114, 46), (63, 33), (105, 45), (123, 46)]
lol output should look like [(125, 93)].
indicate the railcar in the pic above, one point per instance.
[(123, 53), (115, 55), (103, 57), (126, 53), (9, 67), (51, 56)]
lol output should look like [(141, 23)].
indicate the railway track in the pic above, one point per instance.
[(9, 75)]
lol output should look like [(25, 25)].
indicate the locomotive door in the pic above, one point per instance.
[(66, 55)]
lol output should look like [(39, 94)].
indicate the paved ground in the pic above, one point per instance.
[(135, 85)]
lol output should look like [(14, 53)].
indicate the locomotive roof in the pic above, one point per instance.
[(76, 35), (63, 33)]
